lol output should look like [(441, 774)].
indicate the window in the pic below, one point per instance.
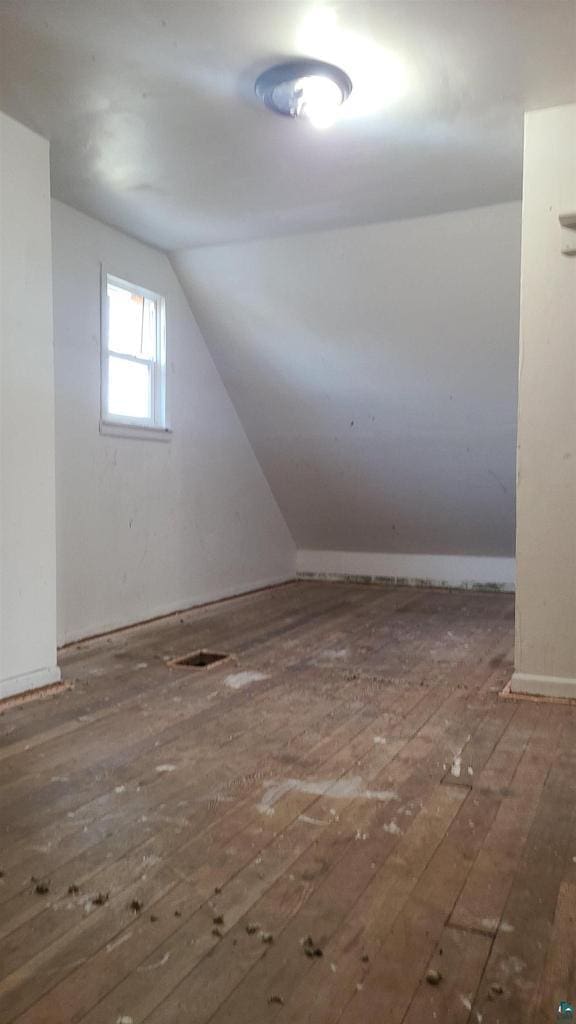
[(133, 358)]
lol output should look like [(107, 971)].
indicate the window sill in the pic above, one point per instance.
[(135, 432)]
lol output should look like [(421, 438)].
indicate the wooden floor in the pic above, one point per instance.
[(298, 834)]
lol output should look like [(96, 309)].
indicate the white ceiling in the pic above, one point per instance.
[(149, 107)]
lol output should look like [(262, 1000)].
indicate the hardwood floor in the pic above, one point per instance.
[(300, 833)]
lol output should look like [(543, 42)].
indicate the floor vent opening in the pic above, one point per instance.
[(199, 659)]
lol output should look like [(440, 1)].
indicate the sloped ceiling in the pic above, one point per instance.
[(374, 370), (154, 128), (372, 357)]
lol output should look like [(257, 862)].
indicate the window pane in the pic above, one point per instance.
[(129, 388), (131, 323)]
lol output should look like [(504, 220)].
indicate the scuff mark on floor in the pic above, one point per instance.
[(158, 963), (334, 654), (343, 789), (118, 942), (237, 680)]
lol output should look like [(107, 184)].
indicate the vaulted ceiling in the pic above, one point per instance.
[(150, 110)]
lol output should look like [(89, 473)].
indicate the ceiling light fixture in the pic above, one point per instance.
[(305, 88)]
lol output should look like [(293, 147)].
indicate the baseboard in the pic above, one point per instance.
[(543, 686), (29, 681), (178, 608), (468, 572)]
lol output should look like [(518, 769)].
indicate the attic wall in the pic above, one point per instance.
[(147, 527), (375, 372), (546, 602), (27, 528)]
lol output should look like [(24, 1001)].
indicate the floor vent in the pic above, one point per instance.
[(199, 659)]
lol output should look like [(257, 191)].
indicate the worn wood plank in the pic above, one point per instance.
[(367, 689)]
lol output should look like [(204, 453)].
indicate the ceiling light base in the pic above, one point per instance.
[(278, 87)]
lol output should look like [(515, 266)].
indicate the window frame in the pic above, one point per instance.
[(156, 426)]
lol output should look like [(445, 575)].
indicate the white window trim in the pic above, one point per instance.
[(157, 427)]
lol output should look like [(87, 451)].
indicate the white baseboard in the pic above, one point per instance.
[(543, 686), (101, 627), (30, 681), (465, 571)]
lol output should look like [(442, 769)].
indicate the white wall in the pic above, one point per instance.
[(146, 527), (27, 527), (546, 544), (375, 372)]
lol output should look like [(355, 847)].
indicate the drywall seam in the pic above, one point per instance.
[(414, 570)]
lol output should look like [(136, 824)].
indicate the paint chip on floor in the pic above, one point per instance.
[(239, 679), (165, 768), (392, 828)]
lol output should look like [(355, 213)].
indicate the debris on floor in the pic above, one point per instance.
[(252, 928), (73, 890), (311, 948), (267, 938), (217, 933), (100, 899), (136, 906), (238, 680), (42, 888), (433, 977), (218, 919), (276, 999)]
